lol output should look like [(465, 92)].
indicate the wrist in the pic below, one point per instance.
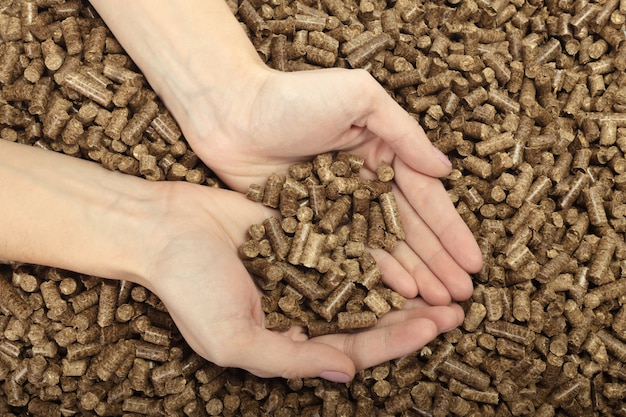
[(73, 214), (126, 232)]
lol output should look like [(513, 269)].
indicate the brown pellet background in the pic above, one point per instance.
[(527, 98)]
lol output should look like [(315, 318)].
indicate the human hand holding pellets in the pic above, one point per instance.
[(298, 347), (223, 315), (246, 122)]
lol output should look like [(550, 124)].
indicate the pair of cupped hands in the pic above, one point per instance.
[(274, 120)]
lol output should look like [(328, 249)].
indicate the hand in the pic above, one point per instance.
[(216, 306), (274, 119)]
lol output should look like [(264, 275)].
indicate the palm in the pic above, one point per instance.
[(199, 269)]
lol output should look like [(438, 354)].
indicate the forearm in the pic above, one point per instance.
[(194, 53), (72, 214)]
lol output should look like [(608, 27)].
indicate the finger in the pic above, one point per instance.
[(421, 265), (437, 275), (428, 197), (389, 121), (428, 261), (269, 354), (379, 344), (397, 333), (394, 275), (409, 275), (445, 317)]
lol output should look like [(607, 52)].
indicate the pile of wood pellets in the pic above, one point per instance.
[(312, 264), (527, 98)]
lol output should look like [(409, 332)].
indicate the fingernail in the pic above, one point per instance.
[(335, 376), (442, 157)]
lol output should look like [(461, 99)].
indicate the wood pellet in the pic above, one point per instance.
[(525, 97)]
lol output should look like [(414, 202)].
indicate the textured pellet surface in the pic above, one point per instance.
[(525, 97)]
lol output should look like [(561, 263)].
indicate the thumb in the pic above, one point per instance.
[(269, 354), (390, 122)]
